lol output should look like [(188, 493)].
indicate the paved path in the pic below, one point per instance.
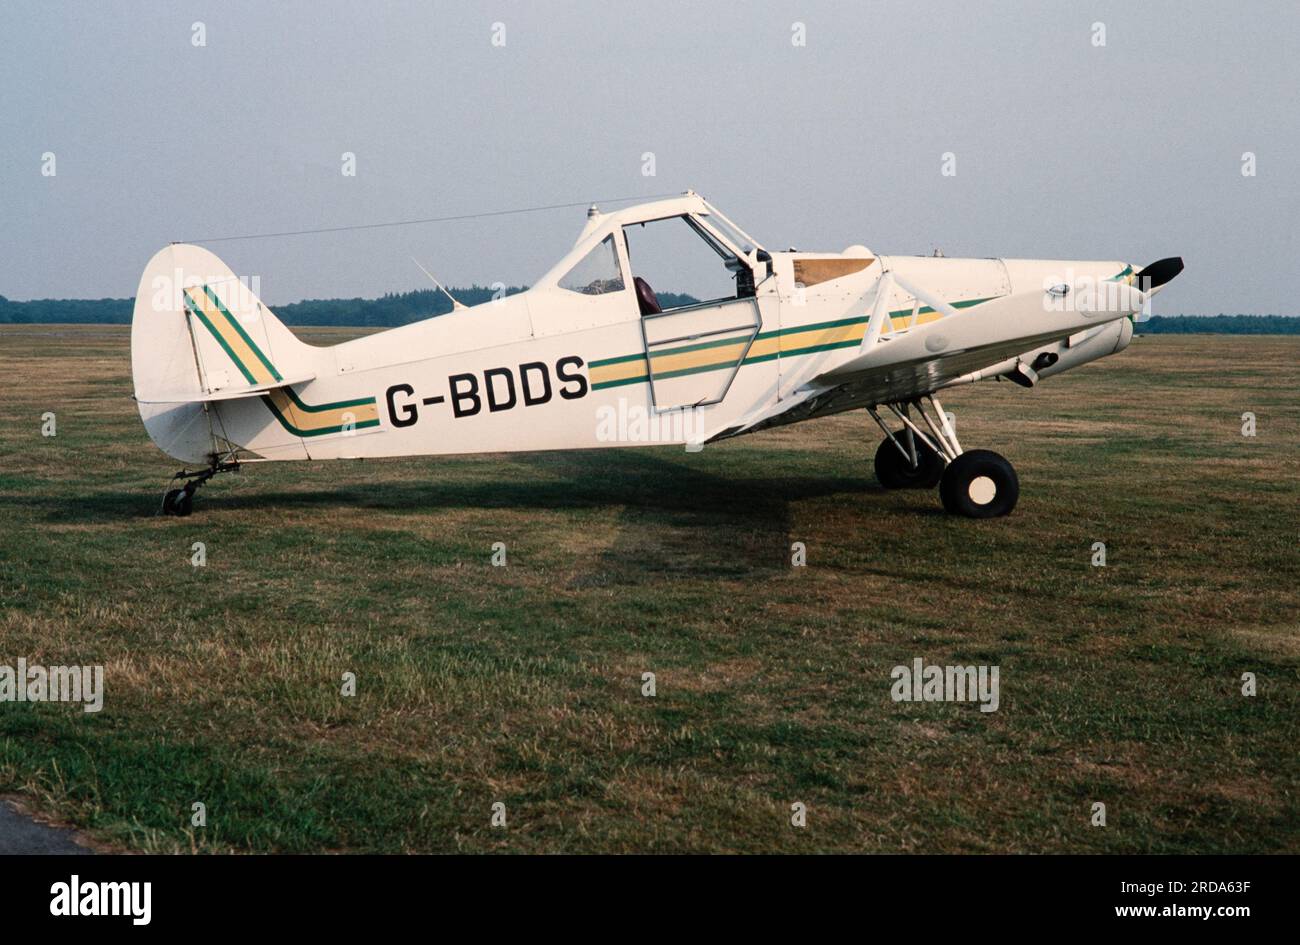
[(20, 834)]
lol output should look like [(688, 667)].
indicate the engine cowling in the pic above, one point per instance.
[(1080, 348)]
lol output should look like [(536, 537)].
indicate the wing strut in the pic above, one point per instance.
[(880, 309), (879, 312)]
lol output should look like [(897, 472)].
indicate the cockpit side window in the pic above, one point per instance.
[(685, 263), (596, 273)]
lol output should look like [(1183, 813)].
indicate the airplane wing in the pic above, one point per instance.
[(964, 341), (903, 366)]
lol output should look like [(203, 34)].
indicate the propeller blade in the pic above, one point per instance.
[(1158, 273)]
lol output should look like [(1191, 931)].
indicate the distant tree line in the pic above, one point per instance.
[(402, 308), (66, 311), (387, 311), (394, 308), (1220, 325)]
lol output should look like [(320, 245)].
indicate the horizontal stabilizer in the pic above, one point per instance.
[(230, 393)]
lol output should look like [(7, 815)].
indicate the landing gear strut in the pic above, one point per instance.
[(977, 484), (916, 466), (181, 501)]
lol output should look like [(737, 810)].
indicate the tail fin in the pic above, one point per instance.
[(200, 334)]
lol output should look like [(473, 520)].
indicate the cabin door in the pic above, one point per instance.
[(693, 353), (693, 348)]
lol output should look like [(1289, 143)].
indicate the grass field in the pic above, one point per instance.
[(522, 684)]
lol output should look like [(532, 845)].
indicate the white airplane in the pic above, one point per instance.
[(587, 357)]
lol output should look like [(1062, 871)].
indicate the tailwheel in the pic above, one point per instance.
[(180, 501), (979, 484), (901, 464)]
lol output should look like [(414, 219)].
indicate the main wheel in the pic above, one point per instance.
[(979, 484), (895, 472)]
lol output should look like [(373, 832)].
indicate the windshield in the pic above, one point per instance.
[(729, 231), (596, 273)]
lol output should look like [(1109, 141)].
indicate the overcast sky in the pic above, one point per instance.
[(1064, 149)]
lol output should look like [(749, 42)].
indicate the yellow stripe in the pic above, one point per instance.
[(905, 321), (617, 372), (307, 420), (232, 338), (820, 336), (686, 360), (763, 347)]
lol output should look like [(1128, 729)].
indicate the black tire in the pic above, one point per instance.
[(964, 487), (178, 502), (893, 471)]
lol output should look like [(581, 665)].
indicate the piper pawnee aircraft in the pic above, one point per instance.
[(220, 381)]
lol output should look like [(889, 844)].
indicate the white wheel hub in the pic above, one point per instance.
[(981, 490)]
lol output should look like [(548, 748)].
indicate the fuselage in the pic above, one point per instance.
[(528, 382)]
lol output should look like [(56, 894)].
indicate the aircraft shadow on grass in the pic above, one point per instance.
[(672, 516)]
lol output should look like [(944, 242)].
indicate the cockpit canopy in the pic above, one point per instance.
[(684, 246)]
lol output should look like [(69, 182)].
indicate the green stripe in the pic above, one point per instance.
[(243, 334), (322, 431), (861, 319), (360, 402), (195, 310), (831, 346), (297, 401), (619, 383), (619, 360), (682, 372), (759, 358), (704, 345), (816, 326), (793, 330), (753, 359)]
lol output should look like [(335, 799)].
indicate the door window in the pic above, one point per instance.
[(683, 264)]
